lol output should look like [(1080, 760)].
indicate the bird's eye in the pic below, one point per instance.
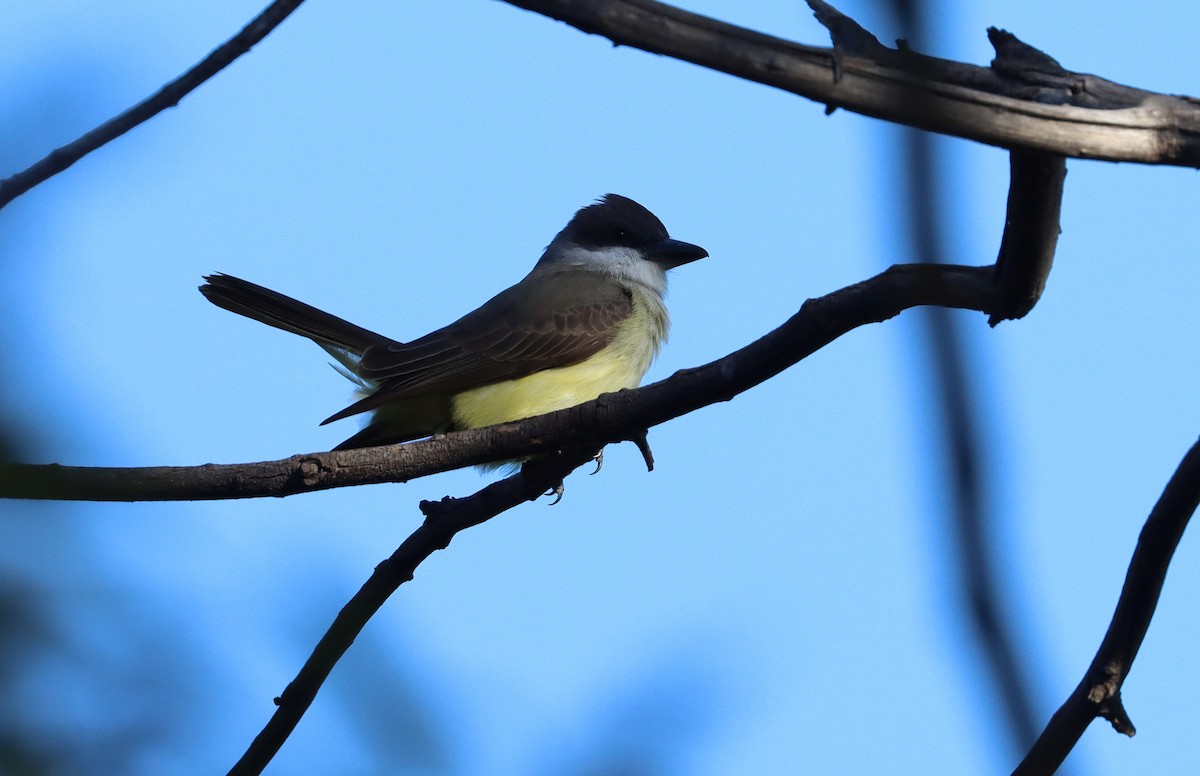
[(608, 233), (619, 235)]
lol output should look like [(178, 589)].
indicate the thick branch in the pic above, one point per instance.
[(443, 519), (1024, 100), (611, 418), (167, 97), (1099, 693)]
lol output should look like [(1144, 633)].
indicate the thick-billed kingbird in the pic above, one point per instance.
[(588, 319)]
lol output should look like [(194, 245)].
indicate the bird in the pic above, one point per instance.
[(588, 319)]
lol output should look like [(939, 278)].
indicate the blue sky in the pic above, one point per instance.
[(777, 596)]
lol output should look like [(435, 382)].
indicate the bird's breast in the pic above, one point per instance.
[(621, 364)]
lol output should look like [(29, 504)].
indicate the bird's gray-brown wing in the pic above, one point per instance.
[(547, 320)]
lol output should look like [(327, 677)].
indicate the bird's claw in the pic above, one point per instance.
[(557, 491), (599, 459)]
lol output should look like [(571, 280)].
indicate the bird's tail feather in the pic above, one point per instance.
[(274, 309)]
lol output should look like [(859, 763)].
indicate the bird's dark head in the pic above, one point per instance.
[(614, 235)]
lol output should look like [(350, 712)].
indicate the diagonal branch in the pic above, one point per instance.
[(167, 97), (1099, 693), (443, 519), (1024, 100), (610, 418)]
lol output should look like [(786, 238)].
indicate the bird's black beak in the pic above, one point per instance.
[(674, 253)]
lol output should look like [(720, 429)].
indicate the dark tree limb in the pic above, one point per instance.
[(443, 519), (167, 97), (611, 418), (1099, 693), (1024, 100), (968, 481)]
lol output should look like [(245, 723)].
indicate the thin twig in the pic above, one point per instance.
[(167, 97), (1099, 693)]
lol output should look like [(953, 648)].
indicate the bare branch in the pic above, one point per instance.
[(443, 519), (1024, 100), (612, 417), (1099, 693), (167, 97)]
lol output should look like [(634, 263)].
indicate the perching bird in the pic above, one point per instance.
[(588, 319)]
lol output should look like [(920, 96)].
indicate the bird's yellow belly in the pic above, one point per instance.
[(621, 364)]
